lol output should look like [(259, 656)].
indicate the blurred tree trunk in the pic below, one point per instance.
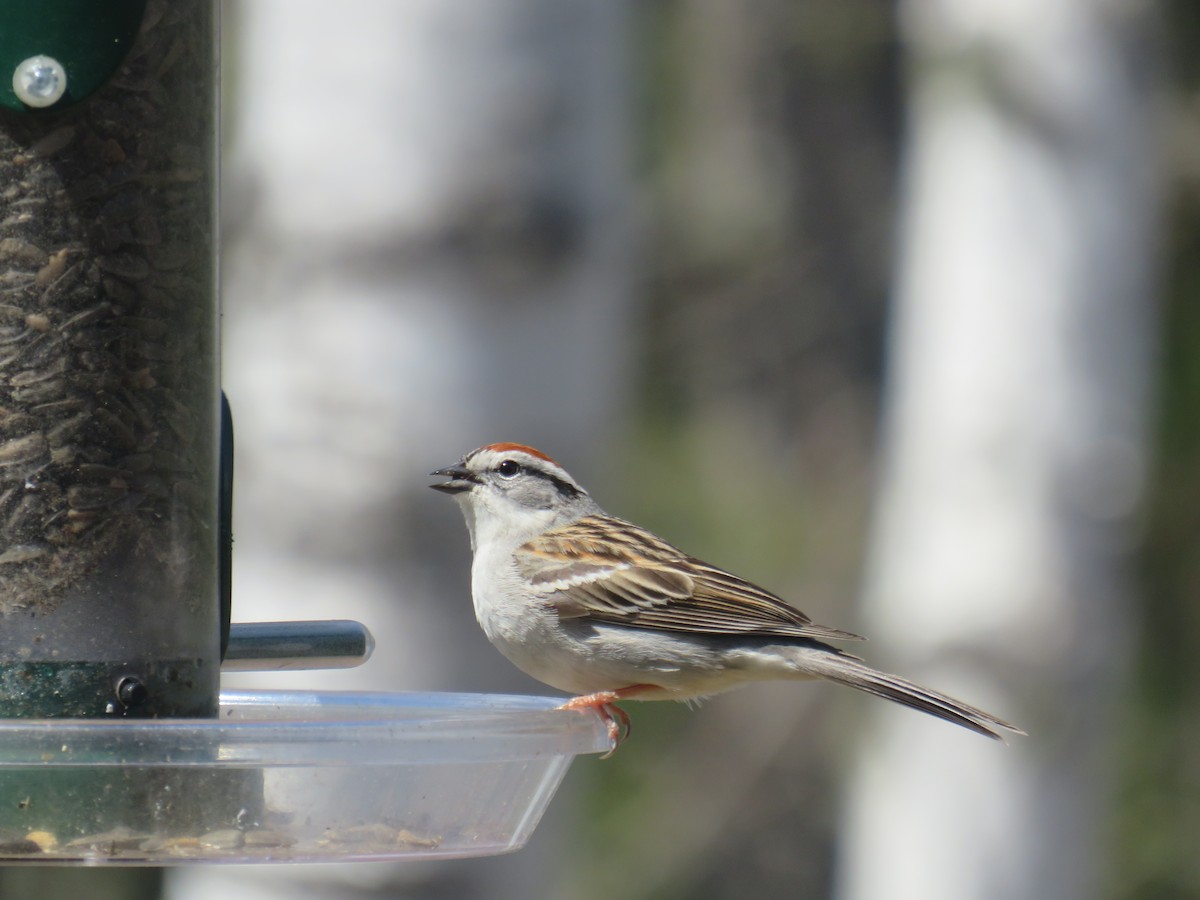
[(1016, 447)]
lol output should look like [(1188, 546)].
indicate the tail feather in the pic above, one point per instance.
[(848, 670)]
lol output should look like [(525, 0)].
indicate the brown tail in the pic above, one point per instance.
[(850, 671)]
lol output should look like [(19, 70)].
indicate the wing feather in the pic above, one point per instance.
[(608, 570)]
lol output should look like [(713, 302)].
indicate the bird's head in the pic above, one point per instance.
[(513, 491)]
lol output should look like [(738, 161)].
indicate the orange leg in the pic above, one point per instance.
[(615, 718)]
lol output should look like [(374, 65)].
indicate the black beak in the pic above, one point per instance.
[(460, 480)]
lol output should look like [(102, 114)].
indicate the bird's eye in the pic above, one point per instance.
[(508, 469)]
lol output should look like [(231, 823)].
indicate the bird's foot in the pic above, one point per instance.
[(616, 720)]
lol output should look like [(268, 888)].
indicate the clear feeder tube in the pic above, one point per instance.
[(109, 388)]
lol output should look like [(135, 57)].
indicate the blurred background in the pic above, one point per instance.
[(888, 307)]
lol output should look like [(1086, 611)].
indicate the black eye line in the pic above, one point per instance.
[(567, 490), (563, 487)]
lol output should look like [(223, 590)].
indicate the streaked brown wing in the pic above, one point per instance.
[(607, 570)]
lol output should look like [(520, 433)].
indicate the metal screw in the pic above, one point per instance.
[(39, 81), (131, 691)]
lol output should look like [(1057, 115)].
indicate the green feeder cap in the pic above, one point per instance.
[(54, 53)]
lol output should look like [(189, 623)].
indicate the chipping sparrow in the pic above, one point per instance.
[(596, 606)]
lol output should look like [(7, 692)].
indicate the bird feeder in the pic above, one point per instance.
[(116, 743)]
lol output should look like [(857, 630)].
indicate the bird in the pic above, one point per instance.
[(603, 609)]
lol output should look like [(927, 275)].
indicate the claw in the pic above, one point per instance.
[(616, 720)]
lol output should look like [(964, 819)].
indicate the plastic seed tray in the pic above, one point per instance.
[(289, 777)]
